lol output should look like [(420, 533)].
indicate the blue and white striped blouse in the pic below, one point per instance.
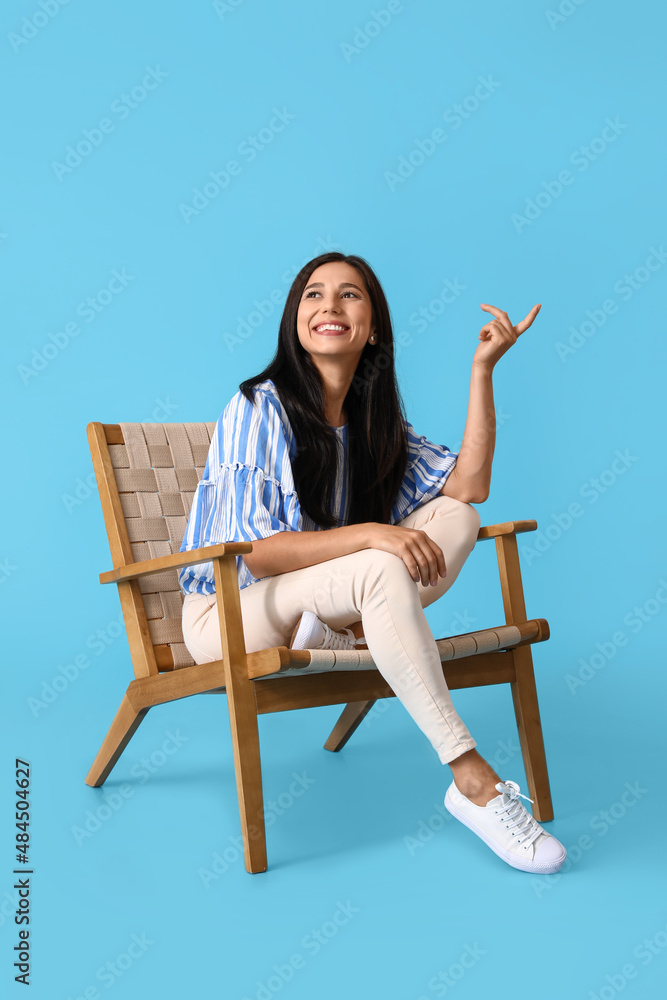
[(247, 489)]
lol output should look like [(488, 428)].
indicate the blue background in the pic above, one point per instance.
[(163, 349)]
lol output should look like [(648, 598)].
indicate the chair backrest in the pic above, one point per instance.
[(156, 469)]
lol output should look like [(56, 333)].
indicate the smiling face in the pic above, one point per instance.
[(335, 318)]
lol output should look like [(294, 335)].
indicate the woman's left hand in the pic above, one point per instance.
[(498, 336)]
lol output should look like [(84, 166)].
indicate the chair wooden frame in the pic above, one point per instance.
[(239, 674)]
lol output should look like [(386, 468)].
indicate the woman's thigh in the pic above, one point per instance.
[(270, 608), (334, 589)]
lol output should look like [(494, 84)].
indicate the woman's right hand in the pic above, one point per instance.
[(423, 557)]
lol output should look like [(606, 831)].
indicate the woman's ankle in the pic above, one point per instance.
[(474, 777), (357, 630)]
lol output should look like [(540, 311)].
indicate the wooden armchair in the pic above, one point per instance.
[(147, 475)]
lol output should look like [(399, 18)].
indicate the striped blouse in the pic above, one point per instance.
[(247, 490)]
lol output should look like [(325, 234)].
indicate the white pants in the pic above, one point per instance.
[(374, 587)]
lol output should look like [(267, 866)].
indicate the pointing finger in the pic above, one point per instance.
[(525, 323)]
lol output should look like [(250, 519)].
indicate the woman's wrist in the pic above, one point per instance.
[(482, 368), (361, 535)]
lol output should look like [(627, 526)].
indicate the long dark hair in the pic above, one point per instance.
[(377, 439)]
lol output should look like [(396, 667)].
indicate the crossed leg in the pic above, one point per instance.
[(473, 775), (373, 587)]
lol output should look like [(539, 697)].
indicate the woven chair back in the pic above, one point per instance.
[(157, 469)]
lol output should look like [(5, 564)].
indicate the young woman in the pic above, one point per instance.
[(357, 522)]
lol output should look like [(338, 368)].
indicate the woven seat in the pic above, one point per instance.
[(147, 475), (454, 648)]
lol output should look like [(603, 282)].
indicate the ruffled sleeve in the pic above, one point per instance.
[(427, 470), (246, 505), (247, 491)]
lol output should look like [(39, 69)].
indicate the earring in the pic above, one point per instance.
[(373, 338)]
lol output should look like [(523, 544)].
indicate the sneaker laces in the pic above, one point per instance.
[(518, 817), (338, 640)]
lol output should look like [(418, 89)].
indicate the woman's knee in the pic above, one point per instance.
[(197, 652), (200, 632), (472, 518), (468, 526), (382, 561), (462, 515)]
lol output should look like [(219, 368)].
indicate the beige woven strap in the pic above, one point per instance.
[(453, 648), (157, 469)]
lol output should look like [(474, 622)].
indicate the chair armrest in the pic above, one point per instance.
[(506, 528), (189, 558)]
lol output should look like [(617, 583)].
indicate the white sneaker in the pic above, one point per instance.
[(311, 633), (505, 825)]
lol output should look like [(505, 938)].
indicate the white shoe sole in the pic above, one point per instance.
[(539, 868)]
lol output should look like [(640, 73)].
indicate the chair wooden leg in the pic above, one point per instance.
[(121, 731), (351, 717), (526, 709), (248, 769), (242, 715)]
